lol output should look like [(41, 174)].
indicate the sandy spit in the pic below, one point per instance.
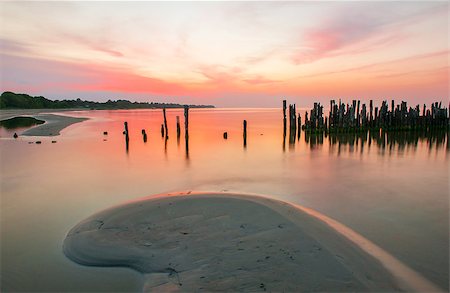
[(53, 123), (226, 242)]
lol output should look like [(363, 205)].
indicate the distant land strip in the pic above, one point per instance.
[(10, 100)]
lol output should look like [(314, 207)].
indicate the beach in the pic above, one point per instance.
[(231, 242), (53, 123)]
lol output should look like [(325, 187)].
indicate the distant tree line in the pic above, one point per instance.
[(10, 100)]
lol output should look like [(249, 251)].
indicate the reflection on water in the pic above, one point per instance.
[(392, 188), (398, 141)]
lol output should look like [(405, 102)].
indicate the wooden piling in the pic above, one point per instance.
[(165, 123), (186, 121), (178, 127), (144, 135), (125, 124), (225, 135), (127, 138), (245, 133)]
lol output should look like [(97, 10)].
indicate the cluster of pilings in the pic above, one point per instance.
[(164, 130), (356, 117), (294, 122)]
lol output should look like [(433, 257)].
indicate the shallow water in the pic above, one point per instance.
[(393, 190)]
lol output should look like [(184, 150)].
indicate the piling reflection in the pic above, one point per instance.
[(127, 143), (384, 141), (186, 141)]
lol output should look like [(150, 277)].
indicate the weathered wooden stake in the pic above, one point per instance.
[(125, 124), (284, 118), (186, 121), (144, 135), (165, 123), (245, 133), (127, 138)]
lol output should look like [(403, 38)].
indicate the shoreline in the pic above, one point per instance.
[(222, 241), (53, 123)]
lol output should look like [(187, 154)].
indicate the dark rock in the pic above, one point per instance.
[(105, 132), (38, 142), (15, 135)]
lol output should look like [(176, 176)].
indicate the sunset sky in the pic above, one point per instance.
[(231, 54)]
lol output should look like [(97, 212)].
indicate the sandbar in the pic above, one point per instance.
[(52, 126), (226, 242)]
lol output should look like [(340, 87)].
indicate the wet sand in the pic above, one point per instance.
[(53, 123), (227, 242)]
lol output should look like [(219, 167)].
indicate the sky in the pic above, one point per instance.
[(230, 54)]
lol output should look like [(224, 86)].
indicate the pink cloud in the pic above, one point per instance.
[(43, 75), (378, 26), (260, 80), (443, 55)]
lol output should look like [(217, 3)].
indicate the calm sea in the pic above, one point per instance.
[(392, 189)]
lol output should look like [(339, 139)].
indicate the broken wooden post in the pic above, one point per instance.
[(165, 123), (371, 112), (245, 133), (127, 138), (144, 135), (358, 122), (186, 121), (284, 118), (178, 127), (125, 124)]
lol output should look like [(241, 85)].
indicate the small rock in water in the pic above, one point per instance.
[(225, 135), (53, 141), (105, 132), (30, 142), (15, 135), (38, 142)]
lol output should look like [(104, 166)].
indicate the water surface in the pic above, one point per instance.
[(392, 189)]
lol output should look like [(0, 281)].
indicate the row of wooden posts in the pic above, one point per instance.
[(341, 119), (349, 118), (164, 127), (165, 131)]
